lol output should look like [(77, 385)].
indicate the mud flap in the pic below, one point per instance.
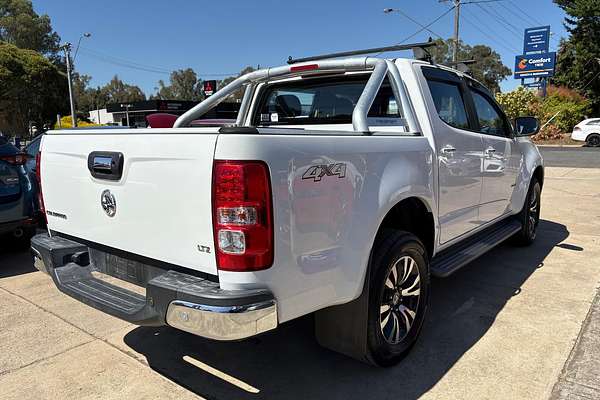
[(343, 328)]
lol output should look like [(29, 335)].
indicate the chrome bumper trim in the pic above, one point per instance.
[(223, 323)]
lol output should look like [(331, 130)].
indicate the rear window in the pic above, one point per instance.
[(323, 101)]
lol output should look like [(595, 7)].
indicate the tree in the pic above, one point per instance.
[(117, 91), (237, 96), (488, 68), (31, 90), (577, 66), (86, 98), (22, 27), (184, 85)]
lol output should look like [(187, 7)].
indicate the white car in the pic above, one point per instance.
[(587, 131), (342, 186)]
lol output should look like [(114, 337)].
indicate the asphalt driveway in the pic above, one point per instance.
[(503, 327)]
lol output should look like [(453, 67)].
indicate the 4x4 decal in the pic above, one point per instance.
[(317, 172)]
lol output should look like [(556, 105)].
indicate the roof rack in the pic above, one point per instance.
[(419, 50), (462, 66)]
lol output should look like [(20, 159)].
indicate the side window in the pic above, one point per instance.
[(385, 104), (449, 103), (491, 122)]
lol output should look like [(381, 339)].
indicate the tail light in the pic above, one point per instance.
[(38, 174), (576, 129), (242, 215), (16, 159)]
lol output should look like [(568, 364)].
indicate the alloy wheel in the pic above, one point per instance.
[(533, 214), (400, 300)]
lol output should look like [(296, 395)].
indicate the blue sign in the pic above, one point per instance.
[(535, 65), (537, 40)]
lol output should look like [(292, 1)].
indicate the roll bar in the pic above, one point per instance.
[(380, 67)]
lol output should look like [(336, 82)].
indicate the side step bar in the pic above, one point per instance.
[(457, 256)]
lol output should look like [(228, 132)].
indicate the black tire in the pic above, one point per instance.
[(392, 333), (593, 140), (530, 215)]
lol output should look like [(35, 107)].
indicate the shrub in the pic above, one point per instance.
[(549, 132), (518, 103), (65, 123), (571, 107)]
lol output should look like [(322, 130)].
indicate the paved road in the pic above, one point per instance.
[(503, 327), (572, 157)]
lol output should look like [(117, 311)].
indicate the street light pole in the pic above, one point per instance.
[(67, 48)]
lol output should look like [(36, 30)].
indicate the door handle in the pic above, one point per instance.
[(490, 151), (448, 150)]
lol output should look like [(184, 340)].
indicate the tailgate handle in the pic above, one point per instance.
[(106, 165)]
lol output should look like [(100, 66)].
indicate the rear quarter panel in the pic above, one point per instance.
[(325, 228)]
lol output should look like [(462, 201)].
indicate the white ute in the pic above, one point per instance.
[(343, 185)]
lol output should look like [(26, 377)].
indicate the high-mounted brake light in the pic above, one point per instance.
[(38, 175), (242, 215), (306, 67)]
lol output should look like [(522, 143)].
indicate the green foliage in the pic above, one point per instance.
[(66, 122), (488, 69), (518, 103), (31, 90), (115, 91), (22, 27), (577, 65), (566, 106), (184, 85), (571, 107)]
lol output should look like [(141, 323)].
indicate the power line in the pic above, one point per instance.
[(529, 18), (505, 45), (138, 66), (494, 36), (423, 27), (535, 21), (514, 30)]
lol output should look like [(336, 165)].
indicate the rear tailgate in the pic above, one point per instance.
[(163, 198)]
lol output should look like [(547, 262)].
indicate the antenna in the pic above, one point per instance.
[(419, 49)]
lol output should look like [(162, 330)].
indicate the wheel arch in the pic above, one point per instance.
[(591, 134), (413, 215)]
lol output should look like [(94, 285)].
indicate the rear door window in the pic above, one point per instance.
[(316, 101), (449, 103)]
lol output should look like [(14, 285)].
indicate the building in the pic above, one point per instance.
[(134, 113)]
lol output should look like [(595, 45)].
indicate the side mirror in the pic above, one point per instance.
[(526, 126)]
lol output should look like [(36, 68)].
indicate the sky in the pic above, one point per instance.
[(142, 41)]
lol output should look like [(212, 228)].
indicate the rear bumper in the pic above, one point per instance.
[(12, 226), (183, 301), (580, 136)]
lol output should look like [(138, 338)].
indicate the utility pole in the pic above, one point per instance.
[(457, 5), (67, 48), (456, 29)]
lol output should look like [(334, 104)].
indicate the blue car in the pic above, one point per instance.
[(18, 197)]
